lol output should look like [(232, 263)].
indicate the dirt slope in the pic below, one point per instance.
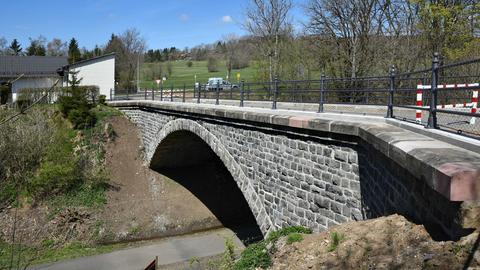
[(384, 243), (143, 203)]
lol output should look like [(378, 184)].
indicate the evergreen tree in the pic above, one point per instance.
[(36, 48), (74, 54), (15, 48)]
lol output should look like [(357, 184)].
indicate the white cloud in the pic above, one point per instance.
[(227, 19), (184, 17)]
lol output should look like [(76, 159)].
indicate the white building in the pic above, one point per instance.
[(99, 71), (41, 72), (38, 71)]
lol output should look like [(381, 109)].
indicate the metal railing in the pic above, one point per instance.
[(442, 97)]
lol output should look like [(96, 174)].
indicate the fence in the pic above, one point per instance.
[(441, 97)]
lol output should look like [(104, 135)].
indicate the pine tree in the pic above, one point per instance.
[(74, 54), (15, 48), (36, 48)]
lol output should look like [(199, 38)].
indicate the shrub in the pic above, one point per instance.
[(189, 64), (81, 118), (23, 102), (254, 256), (274, 236), (258, 255), (102, 99), (212, 64), (4, 93), (76, 104), (294, 237)]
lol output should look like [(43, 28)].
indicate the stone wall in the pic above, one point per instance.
[(291, 178)]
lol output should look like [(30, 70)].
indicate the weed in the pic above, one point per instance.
[(254, 256), (134, 230), (228, 258), (336, 238), (193, 260), (48, 243), (294, 237)]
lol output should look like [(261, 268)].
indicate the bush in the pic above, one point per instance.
[(254, 256), (258, 255), (4, 93), (212, 64), (81, 118), (23, 102), (294, 237), (102, 99), (189, 64), (76, 104)]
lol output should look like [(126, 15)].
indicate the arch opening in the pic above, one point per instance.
[(189, 161)]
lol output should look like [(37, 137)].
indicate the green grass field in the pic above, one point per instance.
[(182, 74)]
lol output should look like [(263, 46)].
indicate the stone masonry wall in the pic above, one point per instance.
[(292, 180)]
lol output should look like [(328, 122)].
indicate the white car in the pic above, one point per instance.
[(222, 84)]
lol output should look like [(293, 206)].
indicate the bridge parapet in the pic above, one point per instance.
[(323, 169)]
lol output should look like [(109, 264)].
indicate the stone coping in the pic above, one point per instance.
[(451, 170)]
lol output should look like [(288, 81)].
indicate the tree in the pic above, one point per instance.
[(350, 25), (169, 68), (134, 47), (15, 48), (56, 47), (74, 54), (212, 64), (37, 46), (268, 20), (3, 46)]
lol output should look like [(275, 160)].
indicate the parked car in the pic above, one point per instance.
[(222, 84)]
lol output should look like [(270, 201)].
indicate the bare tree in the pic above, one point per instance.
[(3, 46), (56, 47), (134, 46), (268, 20), (350, 24)]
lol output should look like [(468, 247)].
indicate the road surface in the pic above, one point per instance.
[(170, 250)]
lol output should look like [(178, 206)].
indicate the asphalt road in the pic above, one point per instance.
[(169, 251)]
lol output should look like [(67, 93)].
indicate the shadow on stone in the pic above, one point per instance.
[(387, 188), (186, 159)]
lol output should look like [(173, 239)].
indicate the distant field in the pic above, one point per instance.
[(186, 75)]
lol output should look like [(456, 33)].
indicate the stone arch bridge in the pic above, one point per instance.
[(319, 170)]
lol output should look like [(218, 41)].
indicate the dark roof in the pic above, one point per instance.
[(31, 66), (94, 59)]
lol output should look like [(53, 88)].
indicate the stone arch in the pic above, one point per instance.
[(243, 182)]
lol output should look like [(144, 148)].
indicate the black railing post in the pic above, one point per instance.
[(199, 90), (145, 93), (111, 95), (432, 112), (128, 93), (248, 92), (153, 93), (218, 93), (391, 92), (231, 91), (322, 89), (183, 94), (242, 88), (161, 92), (171, 93), (275, 93)]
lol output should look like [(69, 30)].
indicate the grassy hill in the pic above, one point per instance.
[(182, 74)]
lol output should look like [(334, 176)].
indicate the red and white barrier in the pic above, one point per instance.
[(473, 104), (418, 113)]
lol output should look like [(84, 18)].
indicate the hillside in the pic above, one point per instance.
[(390, 242), (182, 74)]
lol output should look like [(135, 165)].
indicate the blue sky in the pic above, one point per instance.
[(166, 23)]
